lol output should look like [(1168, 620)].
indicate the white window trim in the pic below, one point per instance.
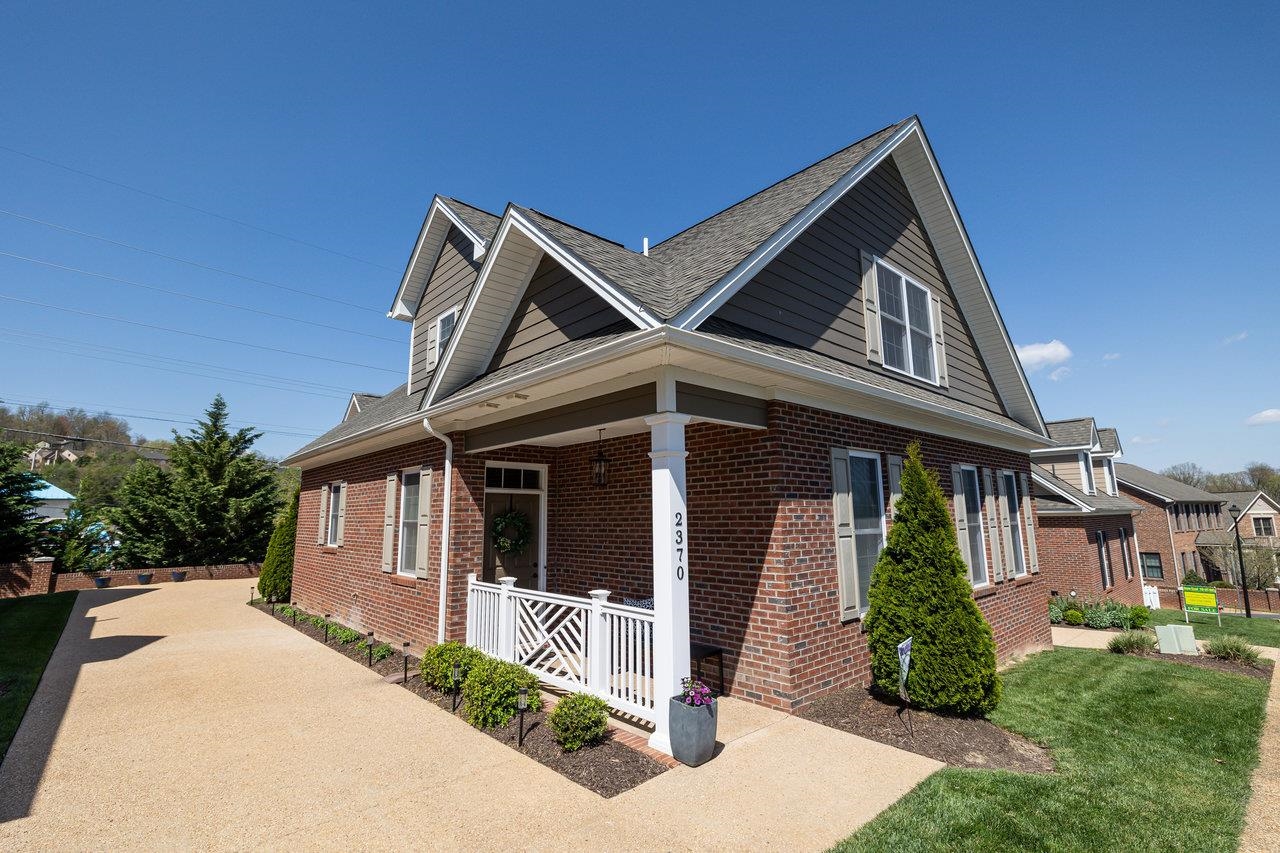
[(1017, 533), (331, 516), (1104, 559), (1125, 556), (1087, 484), (399, 566), (982, 526), (884, 527), (906, 321), (542, 506), (439, 323), (1109, 469)]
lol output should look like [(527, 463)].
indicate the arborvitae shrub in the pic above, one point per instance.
[(275, 582)]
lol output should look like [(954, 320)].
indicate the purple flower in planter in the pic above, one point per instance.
[(695, 693)]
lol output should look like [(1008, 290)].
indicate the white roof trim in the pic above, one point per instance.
[(1147, 491), (512, 220), (1048, 484), (431, 237), (1245, 509)]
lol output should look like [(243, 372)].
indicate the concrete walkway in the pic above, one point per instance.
[(176, 717)]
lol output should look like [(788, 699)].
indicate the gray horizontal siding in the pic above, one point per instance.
[(811, 295), (556, 308), (450, 284)]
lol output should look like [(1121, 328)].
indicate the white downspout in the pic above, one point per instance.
[(444, 526)]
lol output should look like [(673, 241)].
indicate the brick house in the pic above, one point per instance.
[(604, 461), (1172, 516), (1085, 528), (1258, 520)]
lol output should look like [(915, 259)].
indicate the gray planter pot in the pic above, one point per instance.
[(177, 577), (102, 582), (144, 578), (693, 732)]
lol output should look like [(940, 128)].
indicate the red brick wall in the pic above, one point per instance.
[(1068, 552), (1151, 525), (80, 580), (33, 577)]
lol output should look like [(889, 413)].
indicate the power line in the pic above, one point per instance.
[(288, 380), (75, 438), (194, 334), (192, 296), (106, 407), (188, 262), (181, 204)]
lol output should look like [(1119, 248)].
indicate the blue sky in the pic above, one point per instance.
[(1114, 163)]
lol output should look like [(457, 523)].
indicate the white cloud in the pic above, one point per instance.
[(1111, 356), (1235, 339), (1039, 356), (1060, 374), (1143, 439), (1266, 416)]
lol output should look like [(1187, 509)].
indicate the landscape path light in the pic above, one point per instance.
[(522, 702)]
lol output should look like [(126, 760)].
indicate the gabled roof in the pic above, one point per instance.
[(47, 491), (378, 412), (1160, 486), (481, 223), (1066, 499), (477, 225), (1074, 432), (1246, 500), (1109, 441)]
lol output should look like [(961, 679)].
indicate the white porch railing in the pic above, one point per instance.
[(576, 644)]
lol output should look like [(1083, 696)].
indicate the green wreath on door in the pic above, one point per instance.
[(509, 532)]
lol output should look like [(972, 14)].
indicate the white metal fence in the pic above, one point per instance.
[(577, 644)]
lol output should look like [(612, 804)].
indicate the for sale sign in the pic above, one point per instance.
[(1200, 599)]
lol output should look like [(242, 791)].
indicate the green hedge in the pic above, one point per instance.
[(491, 691), (436, 666), (579, 720)]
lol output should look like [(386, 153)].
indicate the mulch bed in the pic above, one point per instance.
[(958, 741), (1204, 661), (608, 768)]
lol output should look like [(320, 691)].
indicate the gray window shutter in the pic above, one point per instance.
[(1028, 518), (993, 526), (389, 523), (895, 483), (846, 559), (871, 309), (1006, 532), (342, 511), (939, 345), (324, 514), (962, 517), (424, 524)]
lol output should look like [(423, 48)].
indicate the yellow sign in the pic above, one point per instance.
[(1200, 599)]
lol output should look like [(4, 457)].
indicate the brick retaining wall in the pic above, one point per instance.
[(37, 577), (1260, 600)]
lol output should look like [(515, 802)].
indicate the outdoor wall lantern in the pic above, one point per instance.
[(600, 464), (522, 702)]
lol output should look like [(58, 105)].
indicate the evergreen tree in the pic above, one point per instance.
[(19, 529), (920, 589), (78, 543), (216, 503), (276, 581)]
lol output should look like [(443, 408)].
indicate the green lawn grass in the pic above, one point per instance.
[(1138, 744), (1258, 631), (29, 629)]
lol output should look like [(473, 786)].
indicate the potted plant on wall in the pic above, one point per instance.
[(693, 723), (177, 575), (144, 578)]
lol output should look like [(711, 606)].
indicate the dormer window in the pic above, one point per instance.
[(445, 324), (1086, 473), (906, 323), (1109, 470)]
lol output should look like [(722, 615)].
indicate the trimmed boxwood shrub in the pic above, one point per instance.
[(491, 690), (920, 588), (275, 582), (579, 720), (1132, 643), (1073, 617), (436, 666), (1139, 616)]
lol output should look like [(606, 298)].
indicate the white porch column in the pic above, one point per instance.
[(670, 568), (507, 620)]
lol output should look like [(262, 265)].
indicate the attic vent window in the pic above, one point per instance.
[(445, 324), (906, 323)]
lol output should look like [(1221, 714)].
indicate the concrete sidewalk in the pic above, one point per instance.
[(176, 717)]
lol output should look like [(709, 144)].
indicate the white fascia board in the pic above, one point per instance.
[(733, 281), (1061, 448), (477, 242), (777, 364), (402, 310), (1057, 490), (1144, 490)]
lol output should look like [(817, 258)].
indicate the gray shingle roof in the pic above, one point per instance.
[(1101, 503), (1242, 499), (556, 353), (1071, 433), (376, 413), (484, 223), (1109, 439), (1158, 484)]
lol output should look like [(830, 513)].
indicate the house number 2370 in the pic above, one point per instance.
[(678, 537)]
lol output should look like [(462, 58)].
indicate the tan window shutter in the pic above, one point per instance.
[(846, 559), (1028, 518), (962, 516), (939, 345), (993, 526), (324, 514), (342, 511), (1006, 532), (389, 523), (424, 524), (895, 483), (871, 309), (433, 354)]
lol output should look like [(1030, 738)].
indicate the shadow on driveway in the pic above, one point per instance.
[(24, 765)]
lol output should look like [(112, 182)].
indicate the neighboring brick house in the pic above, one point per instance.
[(1084, 526), (1173, 514), (1259, 517), (711, 431)]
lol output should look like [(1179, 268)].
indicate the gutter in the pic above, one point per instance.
[(444, 525)]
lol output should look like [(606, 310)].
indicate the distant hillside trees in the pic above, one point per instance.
[(19, 529), (216, 503), (1255, 476), (29, 424)]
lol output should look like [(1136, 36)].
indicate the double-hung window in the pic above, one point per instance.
[(859, 524), (1152, 567), (1104, 560), (906, 323), (335, 507), (1125, 556), (973, 525), (1263, 526), (1012, 509), (409, 482), (445, 324)]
